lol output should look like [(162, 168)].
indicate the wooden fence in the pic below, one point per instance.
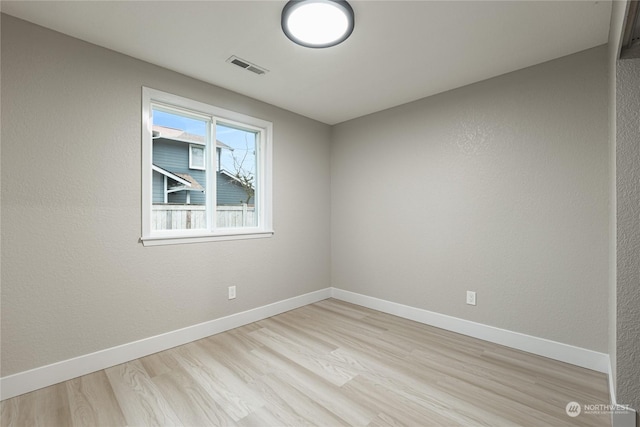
[(185, 217)]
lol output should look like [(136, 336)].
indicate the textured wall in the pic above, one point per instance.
[(75, 279), (500, 187), (628, 245)]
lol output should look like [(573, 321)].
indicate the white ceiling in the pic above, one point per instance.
[(400, 51)]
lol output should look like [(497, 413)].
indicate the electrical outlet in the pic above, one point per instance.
[(232, 292), (471, 298)]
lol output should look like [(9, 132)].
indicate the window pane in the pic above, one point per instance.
[(236, 176), (196, 160), (178, 191)]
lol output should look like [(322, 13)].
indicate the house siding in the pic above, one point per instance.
[(229, 192), (158, 187), (174, 157)]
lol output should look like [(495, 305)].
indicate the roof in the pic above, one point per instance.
[(194, 185), (188, 182), (171, 175), (182, 136)]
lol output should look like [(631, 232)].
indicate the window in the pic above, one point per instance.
[(206, 172), (196, 157)]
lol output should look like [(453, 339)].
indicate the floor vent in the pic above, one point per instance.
[(247, 65)]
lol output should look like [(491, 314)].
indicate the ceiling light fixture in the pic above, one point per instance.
[(317, 23)]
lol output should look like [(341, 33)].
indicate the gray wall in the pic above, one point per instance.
[(75, 279), (500, 187), (628, 238)]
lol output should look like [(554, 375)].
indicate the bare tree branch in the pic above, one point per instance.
[(244, 176)]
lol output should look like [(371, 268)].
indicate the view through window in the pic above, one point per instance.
[(207, 172)]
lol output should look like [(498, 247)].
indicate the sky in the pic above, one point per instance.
[(243, 142)]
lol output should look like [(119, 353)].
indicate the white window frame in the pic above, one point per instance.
[(263, 192), (204, 151)]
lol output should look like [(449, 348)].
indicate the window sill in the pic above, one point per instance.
[(180, 240)]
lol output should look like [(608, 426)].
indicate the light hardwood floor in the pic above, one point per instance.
[(325, 364)]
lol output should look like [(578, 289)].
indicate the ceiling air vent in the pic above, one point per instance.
[(247, 65)]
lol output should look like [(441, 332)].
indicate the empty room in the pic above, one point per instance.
[(320, 212)]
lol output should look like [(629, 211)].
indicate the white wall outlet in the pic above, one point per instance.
[(471, 298), (232, 292)]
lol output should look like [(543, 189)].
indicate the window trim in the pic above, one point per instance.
[(204, 151), (263, 194)]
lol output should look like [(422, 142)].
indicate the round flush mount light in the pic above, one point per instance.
[(317, 23)]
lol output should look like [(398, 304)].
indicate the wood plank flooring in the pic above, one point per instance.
[(325, 364)]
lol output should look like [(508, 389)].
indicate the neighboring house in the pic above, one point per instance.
[(179, 170)]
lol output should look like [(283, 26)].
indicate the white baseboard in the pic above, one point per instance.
[(543, 347), (34, 379), (24, 382)]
